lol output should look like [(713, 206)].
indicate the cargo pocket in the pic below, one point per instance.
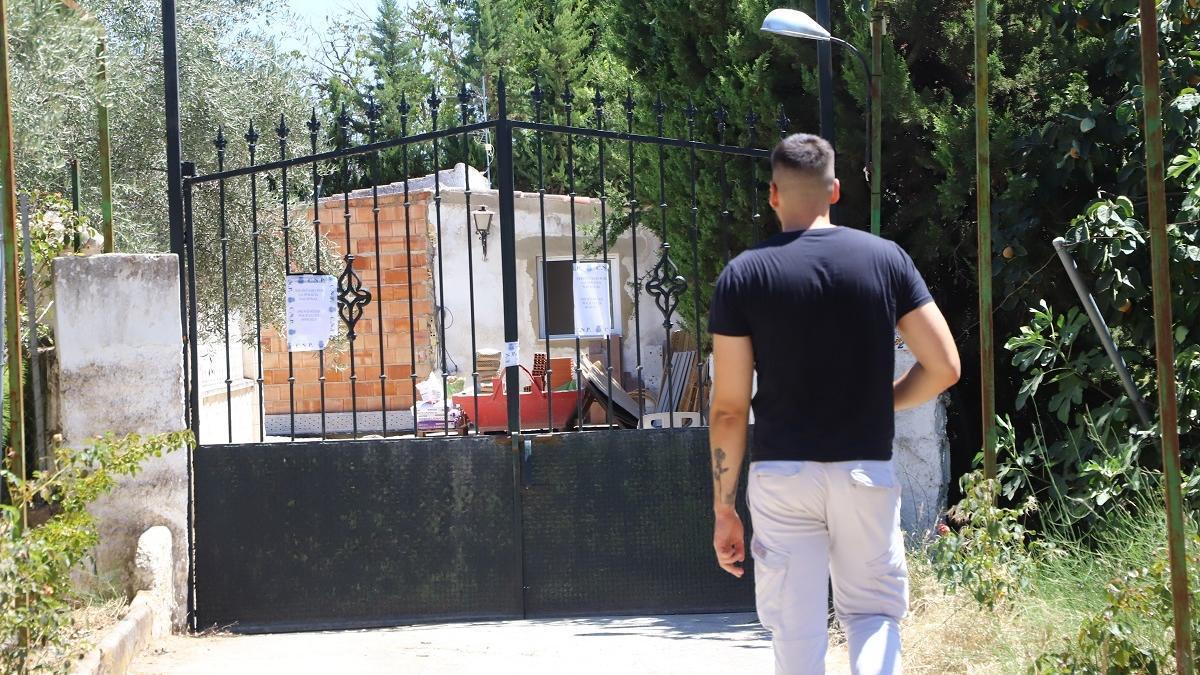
[(770, 577), (874, 474)]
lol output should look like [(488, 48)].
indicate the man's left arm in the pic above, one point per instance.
[(728, 429)]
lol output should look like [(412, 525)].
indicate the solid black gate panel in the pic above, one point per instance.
[(355, 534), (620, 522)]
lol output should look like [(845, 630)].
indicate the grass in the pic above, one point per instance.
[(948, 632), (91, 618)]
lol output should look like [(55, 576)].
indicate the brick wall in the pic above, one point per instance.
[(392, 296)]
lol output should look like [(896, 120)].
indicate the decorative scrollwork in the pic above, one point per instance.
[(666, 285), (352, 297)]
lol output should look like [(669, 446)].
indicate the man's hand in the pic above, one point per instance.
[(729, 540)]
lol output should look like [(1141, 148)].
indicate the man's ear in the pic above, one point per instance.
[(836, 195), (774, 198)]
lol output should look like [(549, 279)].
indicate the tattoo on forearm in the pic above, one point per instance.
[(719, 470)]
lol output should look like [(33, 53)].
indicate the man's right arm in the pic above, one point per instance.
[(937, 369)]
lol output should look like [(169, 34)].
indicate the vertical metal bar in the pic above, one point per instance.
[(464, 97), (73, 176), (632, 203), (106, 200), (405, 108), (508, 253), (722, 117), (349, 275), (876, 84), (174, 140), (224, 236), (983, 190), (825, 76), (694, 234), (568, 99), (825, 80), (187, 266), (12, 307), (1160, 261), (373, 114), (255, 233), (282, 132), (314, 128), (434, 103), (35, 371), (1106, 339), (189, 288), (659, 109), (538, 98), (756, 218), (598, 104)]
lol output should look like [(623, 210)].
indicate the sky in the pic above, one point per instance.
[(313, 14)]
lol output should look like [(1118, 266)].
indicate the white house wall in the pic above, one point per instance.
[(456, 231)]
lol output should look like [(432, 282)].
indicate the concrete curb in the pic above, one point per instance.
[(149, 614)]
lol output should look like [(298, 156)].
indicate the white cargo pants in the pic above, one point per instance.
[(812, 520)]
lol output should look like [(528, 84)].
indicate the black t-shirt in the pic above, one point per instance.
[(821, 308)]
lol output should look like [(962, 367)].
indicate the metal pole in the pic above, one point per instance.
[(983, 189), (1168, 420), (825, 76), (35, 371), (106, 203), (12, 317), (73, 177), (1106, 339), (508, 251), (878, 28), (174, 167), (825, 80)]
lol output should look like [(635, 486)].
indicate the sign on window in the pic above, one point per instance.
[(593, 299)]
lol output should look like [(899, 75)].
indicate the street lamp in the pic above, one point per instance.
[(797, 24)]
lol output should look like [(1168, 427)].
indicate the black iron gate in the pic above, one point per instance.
[(327, 526)]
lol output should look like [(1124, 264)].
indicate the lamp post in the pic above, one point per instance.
[(797, 24)]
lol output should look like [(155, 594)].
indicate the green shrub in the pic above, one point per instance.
[(35, 563), (992, 553)]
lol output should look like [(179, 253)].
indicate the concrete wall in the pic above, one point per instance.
[(922, 455), (120, 370)]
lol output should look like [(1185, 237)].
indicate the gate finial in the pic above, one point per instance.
[(313, 124)]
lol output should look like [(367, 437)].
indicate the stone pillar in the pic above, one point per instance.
[(119, 340), (922, 454)]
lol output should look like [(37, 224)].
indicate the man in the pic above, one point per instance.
[(814, 311)]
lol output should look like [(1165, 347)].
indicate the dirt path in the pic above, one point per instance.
[(646, 645)]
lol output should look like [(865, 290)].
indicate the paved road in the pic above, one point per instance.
[(666, 645)]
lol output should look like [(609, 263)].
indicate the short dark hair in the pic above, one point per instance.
[(804, 153)]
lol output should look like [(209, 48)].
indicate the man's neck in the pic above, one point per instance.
[(810, 223)]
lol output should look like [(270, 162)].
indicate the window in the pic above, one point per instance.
[(556, 297)]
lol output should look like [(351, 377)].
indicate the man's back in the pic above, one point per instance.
[(820, 306)]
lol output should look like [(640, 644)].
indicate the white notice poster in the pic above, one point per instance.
[(511, 356), (311, 311), (593, 300)]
